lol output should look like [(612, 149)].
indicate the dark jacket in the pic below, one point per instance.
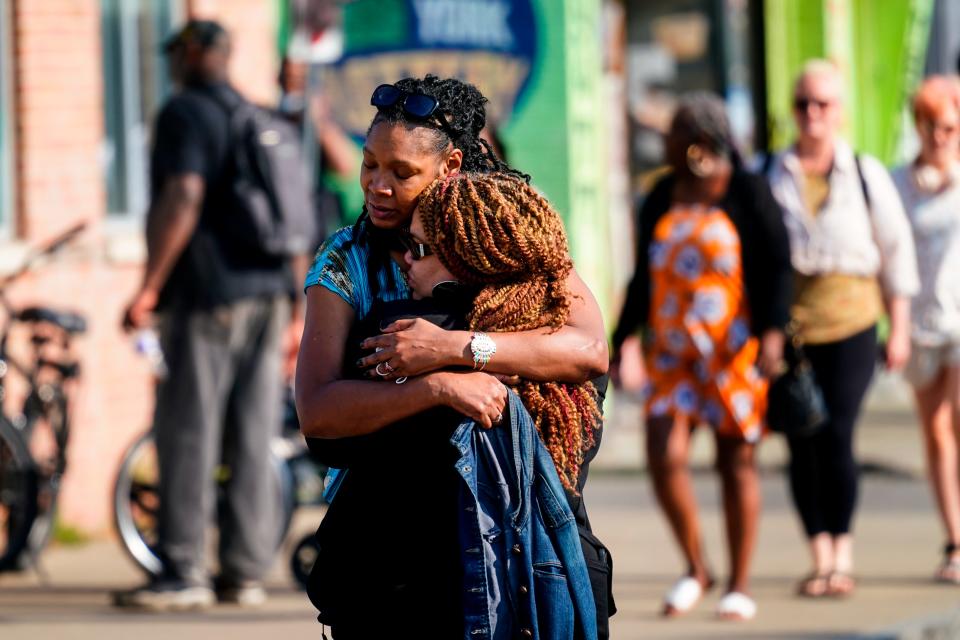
[(765, 248)]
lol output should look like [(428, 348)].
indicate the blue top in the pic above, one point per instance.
[(343, 270)]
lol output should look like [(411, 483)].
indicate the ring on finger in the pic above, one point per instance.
[(498, 419), (382, 374), (386, 365)]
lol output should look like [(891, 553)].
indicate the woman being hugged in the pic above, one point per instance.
[(930, 189), (497, 234), (711, 287), (424, 129)]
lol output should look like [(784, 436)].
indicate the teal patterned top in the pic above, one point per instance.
[(341, 267)]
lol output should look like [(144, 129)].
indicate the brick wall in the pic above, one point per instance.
[(59, 180), (252, 26), (57, 64)]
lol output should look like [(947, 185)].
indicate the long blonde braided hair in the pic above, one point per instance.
[(495, 231)]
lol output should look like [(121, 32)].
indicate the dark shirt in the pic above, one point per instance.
[(765, 249), (389, 543), (192, 135), (397, 547)]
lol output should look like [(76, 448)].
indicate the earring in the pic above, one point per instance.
[(699, 162)]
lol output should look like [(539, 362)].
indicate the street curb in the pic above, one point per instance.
[(939, 626)]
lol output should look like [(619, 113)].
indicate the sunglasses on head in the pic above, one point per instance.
[(803, 104), (418, 105), (417, 249)]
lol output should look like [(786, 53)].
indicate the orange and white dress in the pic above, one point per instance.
[(699, 353)]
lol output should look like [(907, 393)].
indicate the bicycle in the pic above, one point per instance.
[(30, 484), (299, 478)]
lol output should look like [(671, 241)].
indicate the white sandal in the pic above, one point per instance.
[(737, 606), (683, 596)]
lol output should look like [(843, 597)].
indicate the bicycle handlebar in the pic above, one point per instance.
[(51, 247)]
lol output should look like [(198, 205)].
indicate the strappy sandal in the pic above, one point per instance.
[(814, 585), (840, 584), (949, 571)]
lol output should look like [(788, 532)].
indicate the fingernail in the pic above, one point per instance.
[(360, 362)]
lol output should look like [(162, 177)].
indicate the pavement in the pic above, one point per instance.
[(898, 543)]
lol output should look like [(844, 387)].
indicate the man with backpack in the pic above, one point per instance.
[(226, 236)]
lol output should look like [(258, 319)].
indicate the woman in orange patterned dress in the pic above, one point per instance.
[(711, 290)]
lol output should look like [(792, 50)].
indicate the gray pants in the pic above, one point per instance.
[(221, 401)]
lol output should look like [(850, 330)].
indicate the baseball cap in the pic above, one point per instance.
[(202, 32)]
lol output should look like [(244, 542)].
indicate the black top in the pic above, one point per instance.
[(193, 136), (389, 543), (764, 245)]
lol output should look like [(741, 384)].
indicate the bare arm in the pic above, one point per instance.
[(898, 342), (332, 407), (575, 353), (171, 222), (339, 152), (299, 265)]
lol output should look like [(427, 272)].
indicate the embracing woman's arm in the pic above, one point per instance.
[(577, 352), (331, 407)]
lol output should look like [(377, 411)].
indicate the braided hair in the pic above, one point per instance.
[(496, 232), (458, 121)]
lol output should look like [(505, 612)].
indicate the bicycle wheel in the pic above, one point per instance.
[(18, 495), (136, 502)]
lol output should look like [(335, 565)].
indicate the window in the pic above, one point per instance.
[(135, 85), (6, 126)]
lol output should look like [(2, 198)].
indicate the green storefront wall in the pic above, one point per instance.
[(555, 130), (879, 46)]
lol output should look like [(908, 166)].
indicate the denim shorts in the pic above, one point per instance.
[(926, 362)]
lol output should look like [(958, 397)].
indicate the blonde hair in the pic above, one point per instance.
[(820, 68), (494, 230)]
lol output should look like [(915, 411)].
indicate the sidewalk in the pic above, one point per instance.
[(898, 546), (897, 549)]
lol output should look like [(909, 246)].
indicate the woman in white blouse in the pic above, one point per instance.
[(852, 252), (930, 189)]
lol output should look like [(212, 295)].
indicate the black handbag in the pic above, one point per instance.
[(795, 404)]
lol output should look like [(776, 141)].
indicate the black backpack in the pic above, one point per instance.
[(266, 182)]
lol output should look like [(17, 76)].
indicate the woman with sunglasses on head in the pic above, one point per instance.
[(424, 129), (710, 289), (930, 189), (853, 256)]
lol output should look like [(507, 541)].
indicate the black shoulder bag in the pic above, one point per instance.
[(795, 404)]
